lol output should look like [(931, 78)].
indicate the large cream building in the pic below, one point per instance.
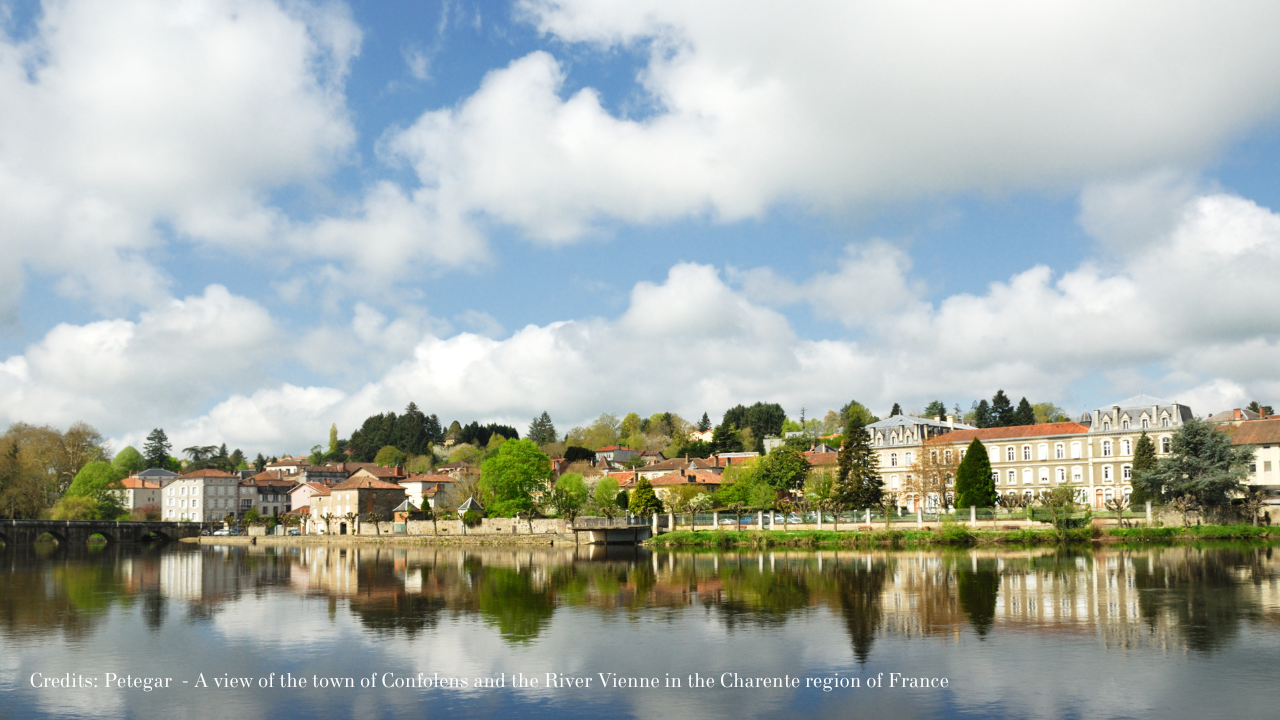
[(1094, 456)]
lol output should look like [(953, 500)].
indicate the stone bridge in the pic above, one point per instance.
[(23, 532)]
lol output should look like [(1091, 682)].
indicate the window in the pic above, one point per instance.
[(1164, 422), (1077, 475), (1253, 468), (1106, 448), (893, 482), (183, 491), (1044, 451), (947, 456), (1013, 477), (1026, 452), (893, 459), (195, 502), (1126, 472), (1009, 454), (1124, 424), (1062, 475), (1266, 466), (1026, 476), (1106, 425), (995, 476), (1126, 447), (1044, 476), (1164, 444), (1145, 423), (1075, 450), (1106, 473), (1059, 451), (906, 458)]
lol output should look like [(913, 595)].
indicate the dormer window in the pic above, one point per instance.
[(1145, 423), (1106, 425), (1164, 421), (1124, 424)]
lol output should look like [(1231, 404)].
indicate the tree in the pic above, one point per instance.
[(541, 430), (897, 410), (852, 408), (129, 461), (1263, 410), (389, 456), (643, 500), (76, 507), (333, 439), (1144, 461), (1059, 503), (704, 424), (1024, 415), (762, 419), (260, 463), (726, 438), (23, 493), (1047, 412), (156, 451), (99, 480), (931, 473), (1204, 470), (935, 409), (974, 485), (982, 414), (376, 518), (236, 461), (783, 469), (858, 483), (1001, 410), (568, 496), (512, 476), (574, 453), (605, 496)]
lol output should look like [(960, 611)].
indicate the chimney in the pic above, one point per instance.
[(951, 422)]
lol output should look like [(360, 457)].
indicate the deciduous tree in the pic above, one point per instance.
[(512, 476)]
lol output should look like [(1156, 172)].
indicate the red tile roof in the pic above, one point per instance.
[(424, 477), (363, 483), (1254, 432), (210, 472), (1010, 433), (137, 483), (700, 477)]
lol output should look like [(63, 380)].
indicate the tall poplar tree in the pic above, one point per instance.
[(858, 483), (974, 485)]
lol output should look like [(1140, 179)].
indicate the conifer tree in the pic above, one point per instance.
[(541, 430), (1025, 414), (858, 483), (1001, 410), (982, 414), (643, 500), (156, 451), (1144, 461), (974, 485), (897, 410), (704, 424)]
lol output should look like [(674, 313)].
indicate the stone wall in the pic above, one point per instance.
[(487, 526)]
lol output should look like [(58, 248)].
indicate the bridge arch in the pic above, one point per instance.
[(155, 535), (104, 534), (58, 537)]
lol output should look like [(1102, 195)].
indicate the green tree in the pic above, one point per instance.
[(762, 419), (389, 456), (76, 507), (1144, 462), (1203, 470), (704, 424), (897, 410), (260, 463), (980, 417), (512, 476), (129, 461), (935, 409), (1047, 412), (643, 501), (23, 493), (569, 495), (1001, 410), (99, 480), (1024, 415), (156, 451), (783, 469), (605, 496), (974, 485), (541, 430), (333, 438), (855, 408), (858, 483)]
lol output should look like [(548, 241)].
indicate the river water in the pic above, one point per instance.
[(1174, 632)]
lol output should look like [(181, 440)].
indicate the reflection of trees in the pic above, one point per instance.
[(1198, 592), (859, 588), (755, 597), (977, 591), (69, 592), (398, 612), (508, 600)]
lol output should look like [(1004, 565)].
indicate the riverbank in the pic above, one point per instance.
[(959, 535), (400, 540)]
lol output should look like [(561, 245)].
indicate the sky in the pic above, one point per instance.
[(243, 221)]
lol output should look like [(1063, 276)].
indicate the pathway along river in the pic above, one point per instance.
[(1170, 632)]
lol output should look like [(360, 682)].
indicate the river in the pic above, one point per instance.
[(248, 632)]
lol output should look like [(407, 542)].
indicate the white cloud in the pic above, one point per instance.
[(122, 117), (832, 105)]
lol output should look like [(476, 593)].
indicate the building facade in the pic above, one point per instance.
[(201, 496)]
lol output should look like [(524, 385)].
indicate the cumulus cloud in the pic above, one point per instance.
[(836, 104), (122, 117)]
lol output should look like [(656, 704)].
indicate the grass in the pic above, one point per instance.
[(951, 534)]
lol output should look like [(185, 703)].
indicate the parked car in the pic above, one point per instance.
[(221, 532), (295, 531)]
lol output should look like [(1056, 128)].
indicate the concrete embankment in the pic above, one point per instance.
[(277, 540)]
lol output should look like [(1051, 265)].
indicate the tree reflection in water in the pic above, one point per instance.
[(1198, 598)]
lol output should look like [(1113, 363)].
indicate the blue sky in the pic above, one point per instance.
[(243, 221)]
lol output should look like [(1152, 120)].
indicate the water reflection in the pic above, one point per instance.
[(1177, 598)]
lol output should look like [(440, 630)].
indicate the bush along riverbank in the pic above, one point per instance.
[(953, 534)]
